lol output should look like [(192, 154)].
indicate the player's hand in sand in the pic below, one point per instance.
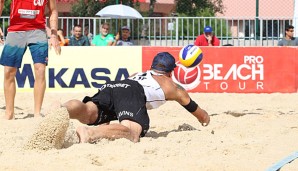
[(204, 118)]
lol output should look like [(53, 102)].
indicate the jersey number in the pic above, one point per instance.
[(38, 2)]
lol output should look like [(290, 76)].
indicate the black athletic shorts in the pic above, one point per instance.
[(121, 100)]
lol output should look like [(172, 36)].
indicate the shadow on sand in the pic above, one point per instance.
[(183, 127)]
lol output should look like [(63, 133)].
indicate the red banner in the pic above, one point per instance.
[(236, 69)]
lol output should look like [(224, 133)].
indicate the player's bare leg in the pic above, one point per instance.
[(39, 87), (85, 113), (127, 129), (9, 91)]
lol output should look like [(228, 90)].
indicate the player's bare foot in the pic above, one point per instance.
[(83, 135), (37, 115), (8, 117)]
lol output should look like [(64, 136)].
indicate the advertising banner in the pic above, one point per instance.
[(80, 68), (235, 69), (223, 69)]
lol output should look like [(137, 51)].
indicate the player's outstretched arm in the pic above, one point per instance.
[(191, 106)]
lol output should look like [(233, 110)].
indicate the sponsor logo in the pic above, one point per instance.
[(28, 12), (189, 78), (65, 78), (114, 86), (123, 113), (251, 70)]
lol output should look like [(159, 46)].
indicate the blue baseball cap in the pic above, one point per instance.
[(208, 29), (163, 61)]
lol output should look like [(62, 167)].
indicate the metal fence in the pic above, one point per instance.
[(179, 31)]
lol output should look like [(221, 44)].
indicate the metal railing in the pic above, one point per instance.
[(180, 31)]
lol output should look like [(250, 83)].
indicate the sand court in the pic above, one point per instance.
[(246, 132)]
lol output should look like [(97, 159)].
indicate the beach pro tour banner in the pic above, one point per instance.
[(236, 69), (80, 68), (223, 69)]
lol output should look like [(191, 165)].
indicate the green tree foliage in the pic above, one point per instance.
[(5, 12), (195, 26), (6, 8), (192, 8), (206, 10), (151, 7)]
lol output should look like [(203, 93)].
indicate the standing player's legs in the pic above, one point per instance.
[(38, 45), (9, 90), (39, 87), (11, 59)]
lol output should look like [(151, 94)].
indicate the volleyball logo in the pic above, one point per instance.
[(188, 78), (190, 55)]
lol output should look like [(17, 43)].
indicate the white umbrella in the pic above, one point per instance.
[(119, 11)]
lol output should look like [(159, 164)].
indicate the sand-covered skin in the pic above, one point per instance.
[(246, 132)]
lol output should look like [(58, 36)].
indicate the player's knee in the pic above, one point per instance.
[(39, 69), (71, 105), (9, 73), (134, 129), (91, 108)]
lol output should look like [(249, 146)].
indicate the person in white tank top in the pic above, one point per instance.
[(155, 96), (154, 85)]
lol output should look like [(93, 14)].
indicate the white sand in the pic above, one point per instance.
[(50, 132), (247, 132)]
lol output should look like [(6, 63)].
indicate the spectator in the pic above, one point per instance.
[(78, 39), (62, 40), (1, 37), (288, 40), (88, 34), (124, 40), (104, 38), (207, 38)]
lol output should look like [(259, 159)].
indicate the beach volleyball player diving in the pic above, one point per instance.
[(128, 101)]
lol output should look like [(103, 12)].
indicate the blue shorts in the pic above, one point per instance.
[(16, 44)]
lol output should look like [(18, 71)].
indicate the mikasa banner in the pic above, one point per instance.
[(223, 69), (236, 69), (80, 68)]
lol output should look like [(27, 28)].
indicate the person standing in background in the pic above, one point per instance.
[(28, 28), (289, 40), (88, 34), (124, 39), (62, 40), (207, 38), (104, 38), (78, 39)]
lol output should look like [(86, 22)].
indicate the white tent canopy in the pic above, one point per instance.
[(119, 11)]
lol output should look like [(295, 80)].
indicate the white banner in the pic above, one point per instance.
[(80, 68)]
